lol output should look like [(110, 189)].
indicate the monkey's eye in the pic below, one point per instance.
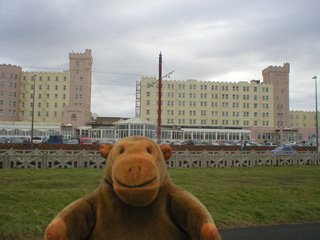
[(121, 150), (149, 150)]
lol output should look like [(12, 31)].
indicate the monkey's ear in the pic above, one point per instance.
[(105, 149), (166, 150)]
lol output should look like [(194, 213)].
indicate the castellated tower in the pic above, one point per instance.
[(279, 77), (78, 112), (9, 92)]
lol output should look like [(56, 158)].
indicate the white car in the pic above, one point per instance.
[(37, 140)]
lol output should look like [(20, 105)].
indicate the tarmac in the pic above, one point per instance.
[(310, 231)]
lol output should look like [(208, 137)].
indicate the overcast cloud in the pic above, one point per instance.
[(228, 41)]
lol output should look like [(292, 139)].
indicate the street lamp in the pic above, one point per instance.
[(317, 137), (32, 116)]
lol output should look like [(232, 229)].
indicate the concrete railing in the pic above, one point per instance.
[(180, 159)]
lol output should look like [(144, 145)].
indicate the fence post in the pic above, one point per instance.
[(253, 154), (45, 160), (203, 159), (81, 158), (229, 160), (6, 160), (294, 159)]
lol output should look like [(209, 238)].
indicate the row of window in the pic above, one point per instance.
[(224, 122), (214, 96), (11, 85), (40, 104), (10, 112), (213, 104), (213, 113), (304, 117), (10, 103), (48, 87), (11, 75), (56, 96), (47, 113), (11, 94), (40, 78), (213, 87)]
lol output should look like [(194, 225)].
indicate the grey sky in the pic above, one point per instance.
[(204, 40)]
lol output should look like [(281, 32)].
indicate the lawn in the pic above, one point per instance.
[(236, 197)]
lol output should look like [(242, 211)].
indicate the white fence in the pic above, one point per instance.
[(184, 159)]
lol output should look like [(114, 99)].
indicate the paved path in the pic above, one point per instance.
[(309, 231)]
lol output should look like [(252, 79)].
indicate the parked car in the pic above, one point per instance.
[(253, 144), (18, 140), (283, 150), (176, 143), (105, 141), (55, 139), (194, 142), (3, 140), (270, 144), (85, 140), (72, 141), (37, 140)]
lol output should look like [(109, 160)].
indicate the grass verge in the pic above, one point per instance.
[(236, 197)]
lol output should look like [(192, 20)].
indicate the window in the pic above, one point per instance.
[(57, 79)]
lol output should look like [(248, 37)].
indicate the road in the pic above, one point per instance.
[(309, 231)]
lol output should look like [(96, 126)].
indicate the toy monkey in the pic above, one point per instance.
[(136, 199)]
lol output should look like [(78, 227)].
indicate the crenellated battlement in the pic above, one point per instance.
[(285, 68), (9, 65), (86, 54)]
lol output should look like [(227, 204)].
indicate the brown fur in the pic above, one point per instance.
[(135, 200)]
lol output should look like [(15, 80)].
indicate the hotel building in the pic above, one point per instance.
[(262, 108), (62, 100)]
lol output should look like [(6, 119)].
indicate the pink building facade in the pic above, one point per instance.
[(9, 92), (78, 112)]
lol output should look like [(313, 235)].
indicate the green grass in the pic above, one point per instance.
[(29, 199)]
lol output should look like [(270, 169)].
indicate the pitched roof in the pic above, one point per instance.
[(135, 120)]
